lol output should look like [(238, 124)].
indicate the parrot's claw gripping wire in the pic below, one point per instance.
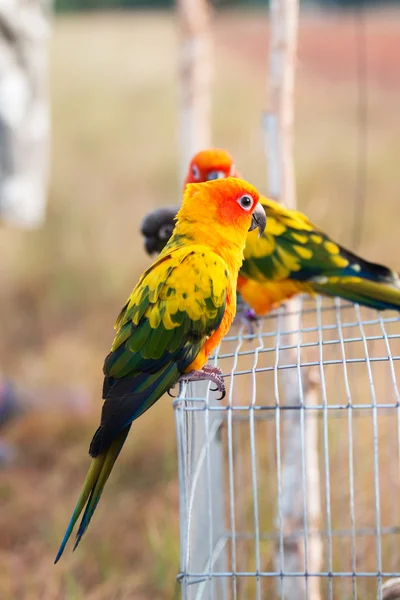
[(208, 372), (251, 320), (248, 317), (251, 316)]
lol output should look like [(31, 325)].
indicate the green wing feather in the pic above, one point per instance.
[(163, 326), (294, 249)]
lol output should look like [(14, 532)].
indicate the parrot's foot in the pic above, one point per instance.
[(211, 373), (248, 317), (251, 320), (208, 372)]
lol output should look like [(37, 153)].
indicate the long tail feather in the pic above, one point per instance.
[(111, 457), (378, 295), (93, 486)]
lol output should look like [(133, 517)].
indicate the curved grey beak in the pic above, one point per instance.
[(259, 219)]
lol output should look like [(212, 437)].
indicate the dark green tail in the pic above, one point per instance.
[(95, 481), (374, 294)]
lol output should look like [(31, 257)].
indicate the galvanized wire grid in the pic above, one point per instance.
[(230, 458)]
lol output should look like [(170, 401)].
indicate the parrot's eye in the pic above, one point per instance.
[(246, 202), (165, 232), (196, 172)]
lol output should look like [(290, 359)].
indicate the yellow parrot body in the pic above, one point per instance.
[(176, 315), (264, 297), (194, 275)]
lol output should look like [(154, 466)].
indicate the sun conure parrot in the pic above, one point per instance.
[(292, 256), (177, 314)]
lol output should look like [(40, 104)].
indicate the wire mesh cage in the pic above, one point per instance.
[(265, 476)]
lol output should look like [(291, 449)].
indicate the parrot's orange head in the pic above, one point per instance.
[(210, 164), (220, 212)]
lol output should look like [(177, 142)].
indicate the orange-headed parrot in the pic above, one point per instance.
[(292, 256), (177, 314)]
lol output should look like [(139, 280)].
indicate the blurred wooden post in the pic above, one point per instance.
[(281, 177), (195, 79), (24, 111)]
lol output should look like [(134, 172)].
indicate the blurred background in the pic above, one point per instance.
[(67, 270)]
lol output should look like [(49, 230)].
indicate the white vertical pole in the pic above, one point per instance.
[(195, 79), (284, 16), (300, 491), (199, 437), (24, 112), (201, 484)]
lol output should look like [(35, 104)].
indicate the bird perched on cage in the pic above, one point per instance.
[(292, 256), (179, 311)]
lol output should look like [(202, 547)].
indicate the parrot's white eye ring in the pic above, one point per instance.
[(196, 172), (246, 202)]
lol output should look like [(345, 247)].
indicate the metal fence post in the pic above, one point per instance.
[(201, 477)]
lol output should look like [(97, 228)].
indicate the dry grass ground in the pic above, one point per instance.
[(115, 154)]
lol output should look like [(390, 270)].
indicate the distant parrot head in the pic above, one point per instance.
[(206, 165), (157, 228), (214, 163)]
